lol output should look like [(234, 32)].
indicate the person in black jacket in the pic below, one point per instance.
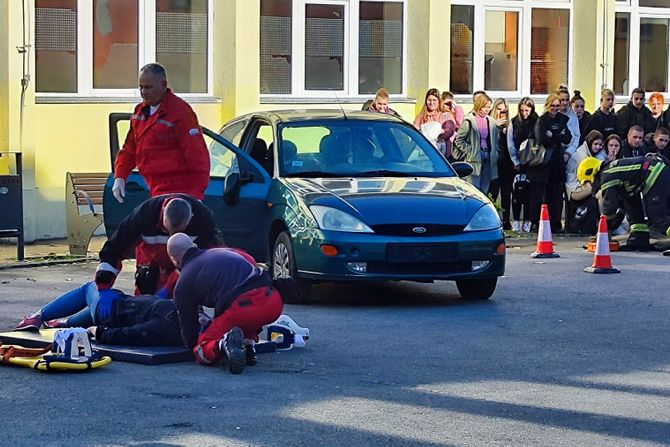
[(149, 226), (506, 171), (547, 180), (111, 316), (635, 113), (583, 116), (603, 120), (634, 145), (243, 297)]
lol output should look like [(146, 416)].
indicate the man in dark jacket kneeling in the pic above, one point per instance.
[(243, 297)]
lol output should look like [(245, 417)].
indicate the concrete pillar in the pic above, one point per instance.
[(418, 53), (439, 44), (593, 48), (236, 56)]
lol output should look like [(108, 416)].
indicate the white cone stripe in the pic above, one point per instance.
[(544, 235), (602, 245)]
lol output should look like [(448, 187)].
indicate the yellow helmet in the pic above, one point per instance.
[(588, 169)]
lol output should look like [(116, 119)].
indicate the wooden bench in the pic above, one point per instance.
[(83, 208)]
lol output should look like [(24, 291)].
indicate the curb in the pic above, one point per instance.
[(28, 264)]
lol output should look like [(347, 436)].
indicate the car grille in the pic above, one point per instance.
[(419, 269), (415, 229)]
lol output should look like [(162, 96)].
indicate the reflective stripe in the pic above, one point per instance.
[(634, 167), (106, 267), (611, 184), (165, 123), (160, 239), (200, 354), (137, 116), (639, 228), (653, 176)]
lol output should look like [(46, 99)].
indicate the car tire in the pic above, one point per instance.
[(283, 265), (477, 289)]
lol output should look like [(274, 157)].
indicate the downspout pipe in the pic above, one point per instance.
[(24, 50), (604, 59)]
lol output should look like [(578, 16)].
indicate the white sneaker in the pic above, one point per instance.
[(516, 226), (526, 226)]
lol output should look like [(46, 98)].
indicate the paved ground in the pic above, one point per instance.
[(557, 358)]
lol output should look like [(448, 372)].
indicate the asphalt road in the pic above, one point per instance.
[(557, 357)]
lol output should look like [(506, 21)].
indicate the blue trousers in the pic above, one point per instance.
[(78, 304)]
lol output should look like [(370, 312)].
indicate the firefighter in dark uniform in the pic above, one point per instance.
[(641, 185)]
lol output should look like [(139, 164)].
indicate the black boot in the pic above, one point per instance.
[(250, 354)]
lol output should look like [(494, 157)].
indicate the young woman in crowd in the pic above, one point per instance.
[(613, 147), (547, 179), (582, 213), (604, 120), (477, 143), (506, 171), (521, 128), (583, 116), (380, 104), (573, 123), (431, 119)]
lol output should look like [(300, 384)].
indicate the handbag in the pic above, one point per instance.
[(533, 154)]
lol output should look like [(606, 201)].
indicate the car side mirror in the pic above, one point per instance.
[(463, 169), (231, 188)]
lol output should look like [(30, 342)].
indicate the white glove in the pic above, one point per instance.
[(119, 189)]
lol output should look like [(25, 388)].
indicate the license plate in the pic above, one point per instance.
[(421, 253)]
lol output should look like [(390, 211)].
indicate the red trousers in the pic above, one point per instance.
[(249, 311)]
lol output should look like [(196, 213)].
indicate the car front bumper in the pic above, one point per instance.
[(463, 256)]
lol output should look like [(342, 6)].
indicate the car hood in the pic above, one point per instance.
[(391, 200)]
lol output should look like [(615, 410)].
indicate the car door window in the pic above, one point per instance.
[(261, 145), (221, 159)]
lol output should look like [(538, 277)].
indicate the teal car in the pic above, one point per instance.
[(326, 195)]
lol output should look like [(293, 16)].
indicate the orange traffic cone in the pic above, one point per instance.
[(602, 261), (545, 246)]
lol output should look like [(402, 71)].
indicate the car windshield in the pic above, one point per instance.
[(357, 148)]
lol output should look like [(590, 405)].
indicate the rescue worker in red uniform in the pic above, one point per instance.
[(164, 141), (641, 185), (149, 226), (243, 297)]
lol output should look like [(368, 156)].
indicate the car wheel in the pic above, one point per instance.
[(477, 289), (283, 266)]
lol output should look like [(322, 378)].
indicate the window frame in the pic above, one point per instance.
[(350, 52), (146, 43), (635, 14), (525, 10)]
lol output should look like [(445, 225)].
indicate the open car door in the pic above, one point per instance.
[(236, 192)]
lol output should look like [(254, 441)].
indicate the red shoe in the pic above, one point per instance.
[(32, 323), (57, 323)]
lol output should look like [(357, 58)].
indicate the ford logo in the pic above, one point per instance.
[(419, 230)]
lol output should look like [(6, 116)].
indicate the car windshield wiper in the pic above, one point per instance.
[(316, 174), (384, 173)]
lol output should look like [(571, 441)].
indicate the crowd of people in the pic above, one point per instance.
[(498, 145)]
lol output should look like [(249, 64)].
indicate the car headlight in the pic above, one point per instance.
[(486, 218), (333, 219)]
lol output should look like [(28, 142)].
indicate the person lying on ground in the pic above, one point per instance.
[(111, 316)]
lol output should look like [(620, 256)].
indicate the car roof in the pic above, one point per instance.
[(297, 115)]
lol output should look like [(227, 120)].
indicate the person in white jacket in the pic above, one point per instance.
[(573, 122), (582, 213)]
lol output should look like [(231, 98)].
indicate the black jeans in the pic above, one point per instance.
[(550, 193)]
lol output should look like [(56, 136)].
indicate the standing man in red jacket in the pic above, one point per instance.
[(164, 142)]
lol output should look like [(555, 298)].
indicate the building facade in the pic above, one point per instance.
[(66, 64)]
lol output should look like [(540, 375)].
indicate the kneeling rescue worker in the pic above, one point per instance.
[(243, 297), (641, 184), (149, 226)]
